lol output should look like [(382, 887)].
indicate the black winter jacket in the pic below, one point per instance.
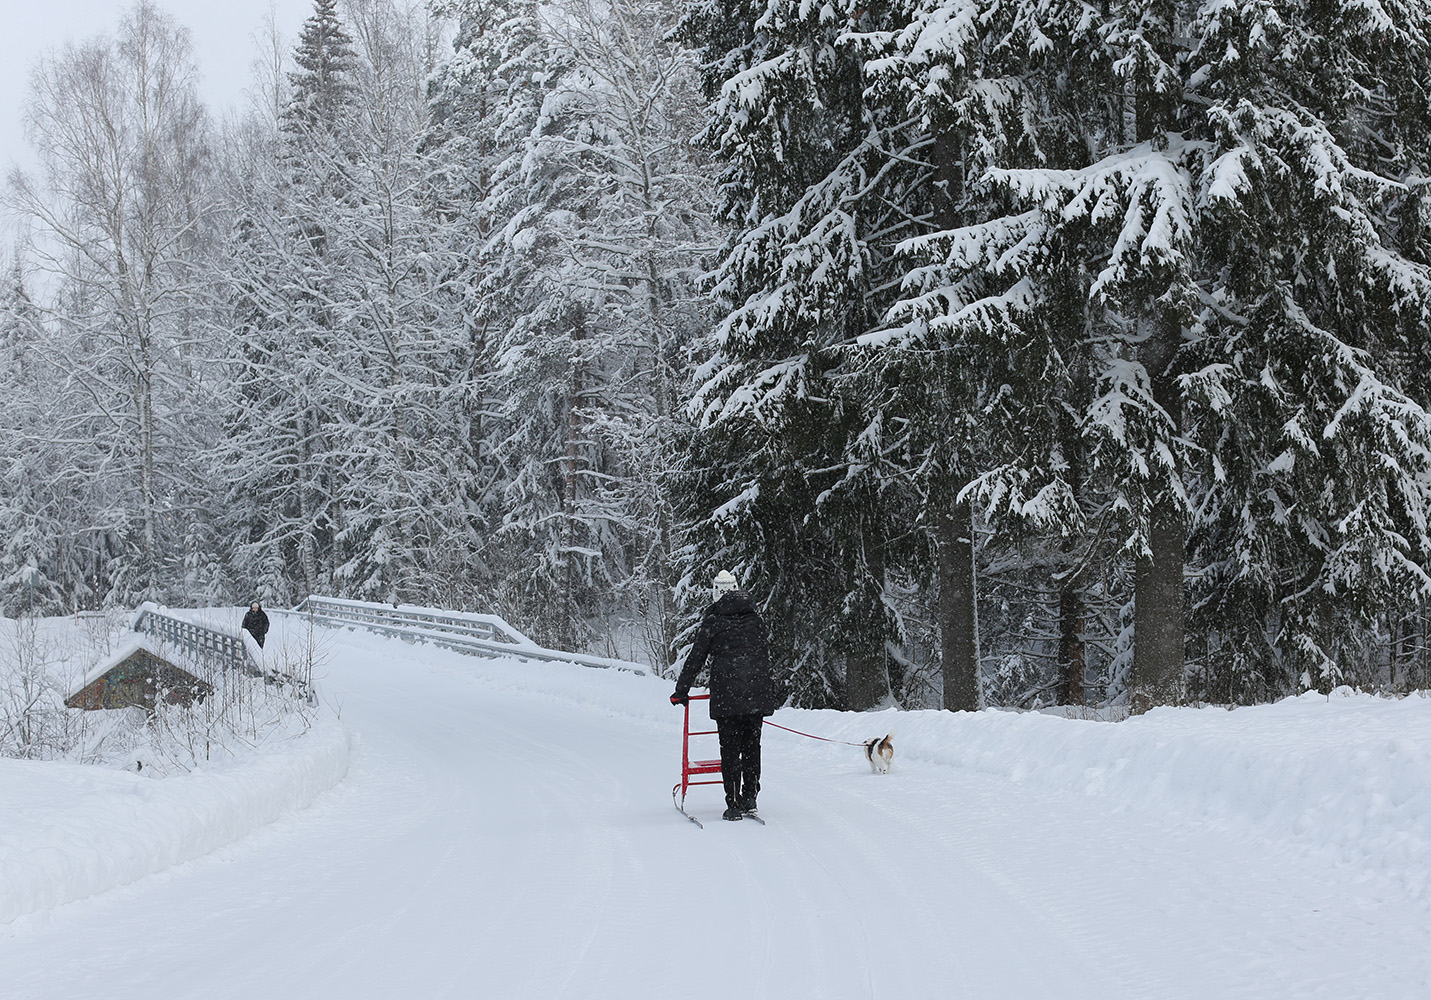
[(732, 637), (256, 624)]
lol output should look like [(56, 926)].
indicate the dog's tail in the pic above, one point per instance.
[(871, 744)]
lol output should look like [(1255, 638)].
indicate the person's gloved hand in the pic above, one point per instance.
[(678, 699)]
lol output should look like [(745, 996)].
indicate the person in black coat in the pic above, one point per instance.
[(256, 623), (732, 637)]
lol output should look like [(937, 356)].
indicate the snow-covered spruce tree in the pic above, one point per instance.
[(483, 100), (787, 479), (1237, 244), (599, 218), (642, 254), (323, 83), (278, 450), (347, 441), (483, 103), (487, 105), (123, 213), (986, 374), (1321, 526)]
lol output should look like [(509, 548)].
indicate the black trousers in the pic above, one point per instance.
[(740, 758)]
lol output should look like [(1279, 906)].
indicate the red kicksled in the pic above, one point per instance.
[(691, 769)]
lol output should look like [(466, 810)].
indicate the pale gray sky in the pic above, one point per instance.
[(224, 33)]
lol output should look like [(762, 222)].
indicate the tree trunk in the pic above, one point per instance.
[(566, 624), (1423, 681), (1158, 629), (1158, 612), (1072, 609), (958, 622), (660, 586), (954, 532), (565, 632), (867, 668), (1072, 661), (866, 679), (307, 507)]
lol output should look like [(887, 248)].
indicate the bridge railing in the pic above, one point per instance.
[(489, 628), (214, 647), (466, 632)]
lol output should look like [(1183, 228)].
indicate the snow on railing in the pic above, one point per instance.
[(479, 635)]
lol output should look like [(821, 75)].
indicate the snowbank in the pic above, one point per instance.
[(70, 830), (1346, 778)]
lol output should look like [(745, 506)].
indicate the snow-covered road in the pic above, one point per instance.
[(506, 831)]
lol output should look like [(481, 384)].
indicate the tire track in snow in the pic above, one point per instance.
[(878, 819), (768, 962)]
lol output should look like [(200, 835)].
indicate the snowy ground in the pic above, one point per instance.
[(506, 830)]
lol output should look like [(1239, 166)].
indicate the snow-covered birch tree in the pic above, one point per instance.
[(346, 446), (120, 212)]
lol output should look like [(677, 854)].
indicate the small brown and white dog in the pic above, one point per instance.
[(880, 753)]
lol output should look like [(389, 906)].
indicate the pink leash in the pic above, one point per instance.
[(823, 739)]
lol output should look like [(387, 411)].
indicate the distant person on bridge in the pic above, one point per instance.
[(732, 637), (256, 623)]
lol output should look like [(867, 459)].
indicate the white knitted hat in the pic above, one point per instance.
[(724, 582)]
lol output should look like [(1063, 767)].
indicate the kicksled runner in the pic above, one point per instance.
[(707, 771)]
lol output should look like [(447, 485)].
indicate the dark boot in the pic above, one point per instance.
[(749, 789), (732, 813)]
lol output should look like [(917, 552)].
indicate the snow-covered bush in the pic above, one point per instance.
[(30, 691)]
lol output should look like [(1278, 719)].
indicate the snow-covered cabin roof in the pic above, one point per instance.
[(133, 643)]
